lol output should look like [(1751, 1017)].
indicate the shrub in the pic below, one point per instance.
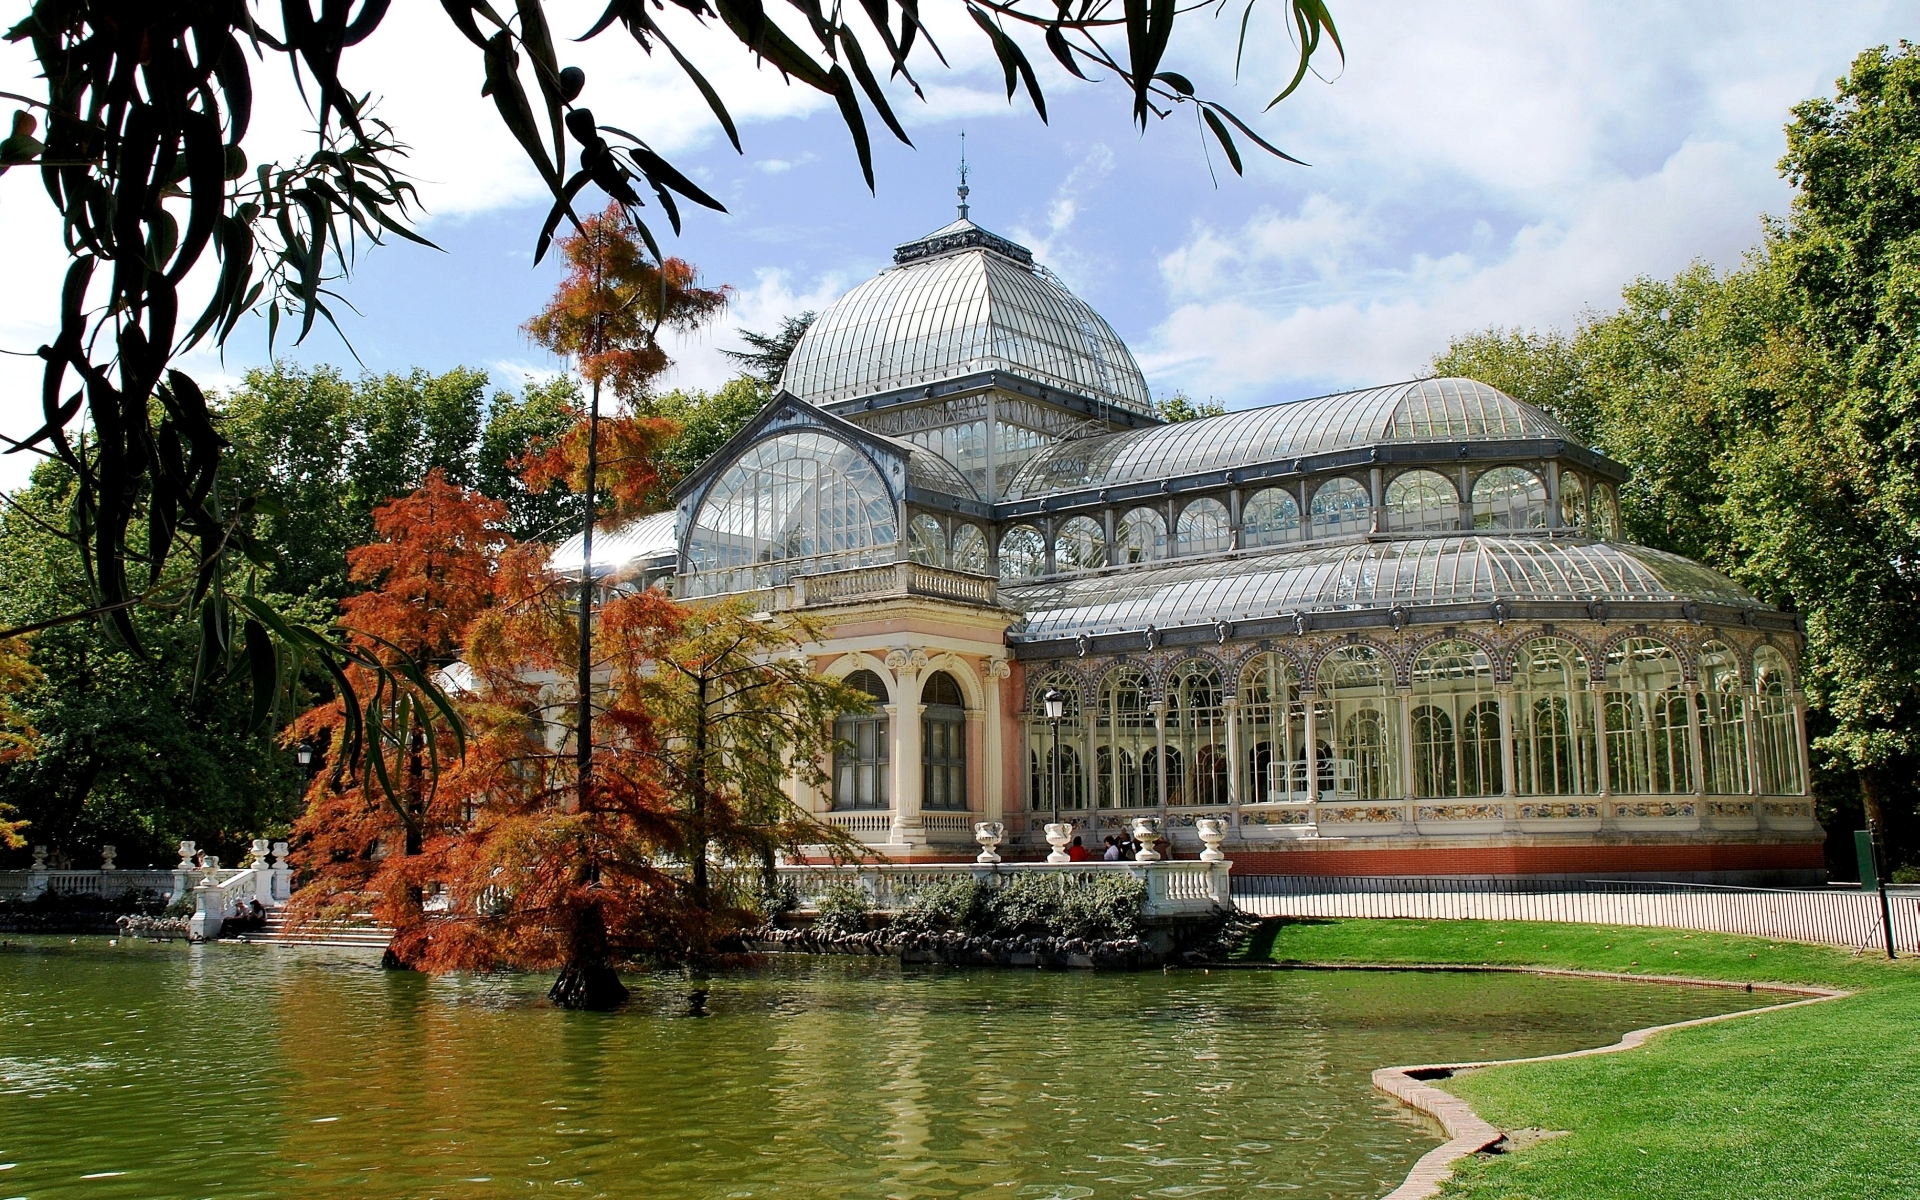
[(843, 909), (1104, 907), (959, 903)]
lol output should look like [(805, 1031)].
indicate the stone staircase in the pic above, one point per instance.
[(357, 933)]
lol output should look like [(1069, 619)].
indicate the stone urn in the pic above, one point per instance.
[(1146, 831), (39, 858), (187, 851), (1058, 835), (107, 855), (989, 834), (1212, 831)]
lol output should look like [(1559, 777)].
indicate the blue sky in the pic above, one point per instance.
[(1473, 164)]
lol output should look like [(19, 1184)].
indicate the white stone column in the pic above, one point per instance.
[(907, 768), (1311, 702), (1378, 495), (1749, 727), (1696, 745), (1800, 740), (1160, 755), (1230, 713), (1505, 694), (993, 768), (1403, 700)]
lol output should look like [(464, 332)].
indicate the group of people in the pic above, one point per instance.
[(1114, 849)]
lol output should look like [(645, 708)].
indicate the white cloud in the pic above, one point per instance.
[(698, 363), (1389, 316)]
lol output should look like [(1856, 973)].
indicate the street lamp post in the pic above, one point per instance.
[(303, 754), (1056, 709)]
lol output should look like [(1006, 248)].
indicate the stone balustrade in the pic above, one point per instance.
[(217, 892), (1175, 889)]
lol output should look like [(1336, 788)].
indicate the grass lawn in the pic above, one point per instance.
[(1821, 1101)]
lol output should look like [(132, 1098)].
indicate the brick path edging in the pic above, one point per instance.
[(1468, 1132)]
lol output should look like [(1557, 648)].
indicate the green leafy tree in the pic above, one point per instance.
[(516, 430), (708, 420), (1544, 369), (1181, 407), (766, 360)]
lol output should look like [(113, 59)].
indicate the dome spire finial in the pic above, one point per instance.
[(963, 189)]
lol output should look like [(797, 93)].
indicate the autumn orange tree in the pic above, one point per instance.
[(17, 736), (606, 316), (429, 573)]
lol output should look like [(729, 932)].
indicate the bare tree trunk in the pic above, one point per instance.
[(583, 737), (697, 844), (588, 980)]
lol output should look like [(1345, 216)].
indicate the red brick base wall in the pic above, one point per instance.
[(1531, 860)]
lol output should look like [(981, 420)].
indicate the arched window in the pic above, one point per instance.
[(944, 742), (1124, 741), (861, 753), (1023, 554), (1604, 518), (1776, 726), (1081, 545), (1269, 517), (1196, 736), (1273, 729), (1573, 501), (1553, 750), (1340, 506), (969, 550), (1141, 535), (1456, 723), (1645, 713), (1354, 710), (1204, 528), (926, 541), (796, 504), (1509, 498), (1721, 709), (1422, 500), (1040, 742)]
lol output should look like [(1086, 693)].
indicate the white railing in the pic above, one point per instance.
[(892, 579), (880, 821), (949, 822), (217, 892), (1184, 888)]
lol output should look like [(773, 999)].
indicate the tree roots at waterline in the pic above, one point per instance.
[(592, 986)]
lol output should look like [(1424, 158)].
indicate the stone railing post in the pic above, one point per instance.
[(36, 874), (183, 873), (262, 872), (209, 910), (282, 875)]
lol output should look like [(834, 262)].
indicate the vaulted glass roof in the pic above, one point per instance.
[(961, 301), (620, 549), (1371, 575), (1424, 410)]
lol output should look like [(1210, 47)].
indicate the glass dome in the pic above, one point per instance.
[(958, 302), (1419, 571), (1424, 410)]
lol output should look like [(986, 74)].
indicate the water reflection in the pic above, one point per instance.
[(249, 1071)]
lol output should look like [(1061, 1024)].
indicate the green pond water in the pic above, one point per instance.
[(160, 1071)]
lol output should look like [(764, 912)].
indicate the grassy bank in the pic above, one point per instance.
[(1822, 1101)]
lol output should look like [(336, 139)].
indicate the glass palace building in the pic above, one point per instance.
[(1390, 631)]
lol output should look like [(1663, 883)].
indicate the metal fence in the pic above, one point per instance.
[(1826, 916)]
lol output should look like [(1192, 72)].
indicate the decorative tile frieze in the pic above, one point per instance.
[(1793, 809), (1657, 808), (1559, 811), (1729, 808), (1364, 815), (1280, 816), (1460, 812)]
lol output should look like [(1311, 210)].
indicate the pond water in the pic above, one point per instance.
[(159, 1071)]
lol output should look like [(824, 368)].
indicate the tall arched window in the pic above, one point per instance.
[(796, 504), (1509, 498), (1553, 749), (926, 541), (1720, 707), (1273, 732), (1269, 517), (1040, 759), (1776, 727), (969, 550), (1123, 741), (1341, 505), (1456, 723), (1204, 528), (861, 752), (1645, 712), (944, 742), (1141, 535), (1573, 501), (1023, 554), (1422, 500), (1081, 545), (1354, 711), (1196, 736)]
